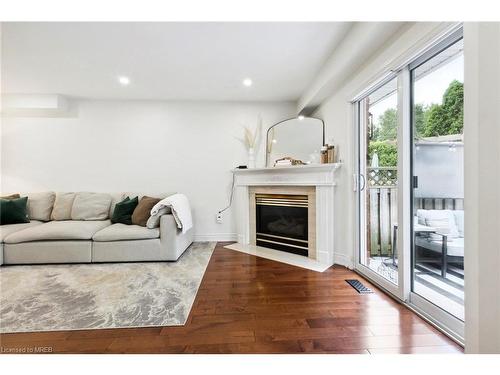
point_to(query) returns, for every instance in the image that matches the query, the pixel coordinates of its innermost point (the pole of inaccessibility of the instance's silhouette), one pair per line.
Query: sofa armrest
(172, 240)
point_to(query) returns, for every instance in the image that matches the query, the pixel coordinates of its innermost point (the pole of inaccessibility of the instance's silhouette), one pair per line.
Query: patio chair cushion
(455, 247)
(459, 218)
(442, 220)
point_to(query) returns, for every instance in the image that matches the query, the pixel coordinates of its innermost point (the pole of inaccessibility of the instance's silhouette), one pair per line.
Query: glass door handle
(362, 176)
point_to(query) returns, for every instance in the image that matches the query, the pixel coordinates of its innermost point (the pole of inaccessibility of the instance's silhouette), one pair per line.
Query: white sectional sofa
(44, 240)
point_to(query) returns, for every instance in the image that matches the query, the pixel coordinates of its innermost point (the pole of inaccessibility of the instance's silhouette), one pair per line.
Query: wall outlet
(218, 217)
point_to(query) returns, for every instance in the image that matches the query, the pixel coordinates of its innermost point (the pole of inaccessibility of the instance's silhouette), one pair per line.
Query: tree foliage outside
(430, 121)
(387, 152)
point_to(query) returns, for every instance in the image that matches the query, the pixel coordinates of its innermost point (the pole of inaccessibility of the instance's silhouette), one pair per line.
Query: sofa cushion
(143, 210)
(62, 206)
(91, 206)
(120, 232)
(123, 211)
(14, 211)
(58, 230)
(40, 205)
(5, 230)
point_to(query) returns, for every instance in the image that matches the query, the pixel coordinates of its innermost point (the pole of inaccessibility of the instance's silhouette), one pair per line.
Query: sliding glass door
(437, 272)
(378, 159)
(411, 184)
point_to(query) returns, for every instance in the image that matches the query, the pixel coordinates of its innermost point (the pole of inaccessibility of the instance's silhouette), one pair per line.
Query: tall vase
(251, 157)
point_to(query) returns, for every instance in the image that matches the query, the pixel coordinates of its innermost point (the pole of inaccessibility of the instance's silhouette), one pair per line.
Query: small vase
(251, 158)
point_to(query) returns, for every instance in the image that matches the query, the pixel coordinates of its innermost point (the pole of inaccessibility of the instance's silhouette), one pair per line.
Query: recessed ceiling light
(301, 117)
(247, 82)
(124, 81)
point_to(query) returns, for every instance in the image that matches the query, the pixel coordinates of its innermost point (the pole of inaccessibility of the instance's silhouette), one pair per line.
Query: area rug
(95, 296)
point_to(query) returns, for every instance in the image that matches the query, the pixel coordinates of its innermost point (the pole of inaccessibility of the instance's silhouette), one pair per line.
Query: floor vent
(358, 285)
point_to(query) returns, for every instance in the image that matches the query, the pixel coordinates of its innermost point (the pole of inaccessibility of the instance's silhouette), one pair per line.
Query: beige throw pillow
(40, 205)
(91, 206)
(62, 206)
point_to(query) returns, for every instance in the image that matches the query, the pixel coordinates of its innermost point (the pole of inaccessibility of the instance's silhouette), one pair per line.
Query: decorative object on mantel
(286, 161)
(324, 154)
(331, 153)
(250, 141)
(327, 154)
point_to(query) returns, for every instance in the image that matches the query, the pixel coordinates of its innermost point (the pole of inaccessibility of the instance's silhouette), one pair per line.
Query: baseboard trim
(343, 260)
(223, 237)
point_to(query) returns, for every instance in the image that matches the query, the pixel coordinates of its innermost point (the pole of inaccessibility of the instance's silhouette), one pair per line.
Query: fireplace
(317, 182)
(282, 222)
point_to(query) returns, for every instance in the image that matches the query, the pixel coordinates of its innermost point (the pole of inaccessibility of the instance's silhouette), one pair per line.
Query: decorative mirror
(299, 138)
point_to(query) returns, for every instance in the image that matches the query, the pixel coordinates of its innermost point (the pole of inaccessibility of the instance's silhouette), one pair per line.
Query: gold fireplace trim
(281, 200)
(282, 238)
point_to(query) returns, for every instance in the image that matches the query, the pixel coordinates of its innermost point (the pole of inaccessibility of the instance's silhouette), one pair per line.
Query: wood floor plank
(247, 304)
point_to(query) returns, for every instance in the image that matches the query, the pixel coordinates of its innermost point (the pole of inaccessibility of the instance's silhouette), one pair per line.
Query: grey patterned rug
(95, 296)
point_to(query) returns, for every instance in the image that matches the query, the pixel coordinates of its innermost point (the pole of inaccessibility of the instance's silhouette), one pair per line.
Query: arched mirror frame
(288, 119)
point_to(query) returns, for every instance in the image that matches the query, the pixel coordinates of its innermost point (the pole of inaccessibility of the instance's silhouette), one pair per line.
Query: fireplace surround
(317, 183)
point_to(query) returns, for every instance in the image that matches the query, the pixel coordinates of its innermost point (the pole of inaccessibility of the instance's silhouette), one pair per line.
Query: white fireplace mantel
(321, 176)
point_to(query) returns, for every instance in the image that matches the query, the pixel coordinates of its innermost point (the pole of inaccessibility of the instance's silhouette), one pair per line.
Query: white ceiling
(166, 61)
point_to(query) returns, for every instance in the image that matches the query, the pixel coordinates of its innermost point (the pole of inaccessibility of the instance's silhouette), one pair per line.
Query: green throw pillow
(123, 211)
(14, 211)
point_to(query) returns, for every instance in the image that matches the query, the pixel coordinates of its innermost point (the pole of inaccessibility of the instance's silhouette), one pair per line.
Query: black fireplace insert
(281, 222)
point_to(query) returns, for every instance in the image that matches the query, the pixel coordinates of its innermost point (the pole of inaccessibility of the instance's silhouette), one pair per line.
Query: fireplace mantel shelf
(293, 168)
(300, 175)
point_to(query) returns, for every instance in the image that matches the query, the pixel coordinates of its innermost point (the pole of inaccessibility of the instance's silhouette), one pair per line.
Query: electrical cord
(230, 197)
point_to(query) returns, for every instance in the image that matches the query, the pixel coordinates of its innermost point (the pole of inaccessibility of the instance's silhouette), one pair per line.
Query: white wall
(338, 114)
(142, 146)
(482, 187)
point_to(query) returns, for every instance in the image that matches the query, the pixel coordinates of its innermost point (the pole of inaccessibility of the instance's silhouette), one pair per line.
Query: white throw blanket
(179, 204)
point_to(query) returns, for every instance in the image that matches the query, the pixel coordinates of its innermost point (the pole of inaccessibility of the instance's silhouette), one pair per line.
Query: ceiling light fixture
(124, 81)
(301, 117)
(247, 82)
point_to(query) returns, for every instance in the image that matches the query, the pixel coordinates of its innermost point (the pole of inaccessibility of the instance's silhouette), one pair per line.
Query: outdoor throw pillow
(123, 211)
(143, 210)
(14, 211)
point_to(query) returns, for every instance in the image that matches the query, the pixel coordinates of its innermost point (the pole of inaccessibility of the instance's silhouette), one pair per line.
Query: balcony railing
(381, 209)
(382, 177)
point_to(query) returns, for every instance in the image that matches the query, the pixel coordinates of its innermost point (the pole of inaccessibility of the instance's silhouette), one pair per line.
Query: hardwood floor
(253, 305)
